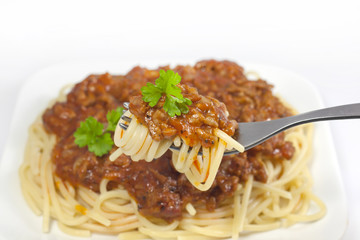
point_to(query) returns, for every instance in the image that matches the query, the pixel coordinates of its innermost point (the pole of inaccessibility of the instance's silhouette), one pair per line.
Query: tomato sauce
(159, 190)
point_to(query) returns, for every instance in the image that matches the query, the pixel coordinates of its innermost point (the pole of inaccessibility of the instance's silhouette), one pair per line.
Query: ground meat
(159, 190)
(197, 126)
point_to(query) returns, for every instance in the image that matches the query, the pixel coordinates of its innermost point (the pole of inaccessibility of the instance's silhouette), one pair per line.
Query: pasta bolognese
(264, 188)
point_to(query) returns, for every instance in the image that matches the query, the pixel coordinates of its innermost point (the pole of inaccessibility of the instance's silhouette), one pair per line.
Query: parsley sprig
(91, 133)
(175, 103)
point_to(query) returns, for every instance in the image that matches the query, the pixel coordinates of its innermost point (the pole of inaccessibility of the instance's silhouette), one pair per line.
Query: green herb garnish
(175, 103)
(91, 133)
(113, 118)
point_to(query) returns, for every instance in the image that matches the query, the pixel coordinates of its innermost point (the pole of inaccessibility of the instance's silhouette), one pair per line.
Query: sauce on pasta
(159, 190)
(205, 114)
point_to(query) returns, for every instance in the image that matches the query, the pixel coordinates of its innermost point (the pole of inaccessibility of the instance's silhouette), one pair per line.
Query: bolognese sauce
(205, 114)
(159, 190)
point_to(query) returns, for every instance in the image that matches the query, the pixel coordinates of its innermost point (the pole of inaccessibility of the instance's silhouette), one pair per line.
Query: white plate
(17, 221)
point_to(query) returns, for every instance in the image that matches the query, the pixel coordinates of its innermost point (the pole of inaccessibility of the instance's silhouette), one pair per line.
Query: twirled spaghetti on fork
(205, 129)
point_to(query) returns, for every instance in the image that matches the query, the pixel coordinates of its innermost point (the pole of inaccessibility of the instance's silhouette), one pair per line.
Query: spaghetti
(200, 170)
(81, 208)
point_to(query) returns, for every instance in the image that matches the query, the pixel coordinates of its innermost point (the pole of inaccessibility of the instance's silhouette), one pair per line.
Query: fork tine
(125, 118)
(123, 126)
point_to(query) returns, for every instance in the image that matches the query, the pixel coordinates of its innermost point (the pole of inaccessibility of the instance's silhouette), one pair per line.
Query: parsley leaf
(101, 145)
(175, 103)
(91, 133)
(113, 118)
(151, 94)
(88, 131)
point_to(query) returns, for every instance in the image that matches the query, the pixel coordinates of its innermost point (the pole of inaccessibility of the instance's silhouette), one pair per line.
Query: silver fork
(252, 134)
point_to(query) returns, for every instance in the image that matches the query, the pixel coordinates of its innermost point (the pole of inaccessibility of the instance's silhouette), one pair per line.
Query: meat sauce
(159, 190)
(197, 126)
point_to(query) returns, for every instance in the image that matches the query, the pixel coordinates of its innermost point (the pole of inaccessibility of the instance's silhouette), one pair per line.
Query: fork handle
(261, 131)
(333, 113)
(349, 111)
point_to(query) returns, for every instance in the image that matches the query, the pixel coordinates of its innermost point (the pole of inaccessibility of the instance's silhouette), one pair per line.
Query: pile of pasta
(284, 200)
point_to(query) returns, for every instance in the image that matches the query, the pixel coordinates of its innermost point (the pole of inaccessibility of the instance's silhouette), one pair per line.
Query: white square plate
(17, 221)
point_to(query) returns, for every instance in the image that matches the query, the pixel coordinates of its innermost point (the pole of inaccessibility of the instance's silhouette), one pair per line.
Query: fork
(252, 134)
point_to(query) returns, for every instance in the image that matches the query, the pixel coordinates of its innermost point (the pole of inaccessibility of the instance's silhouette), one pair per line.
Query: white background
(319, 40)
